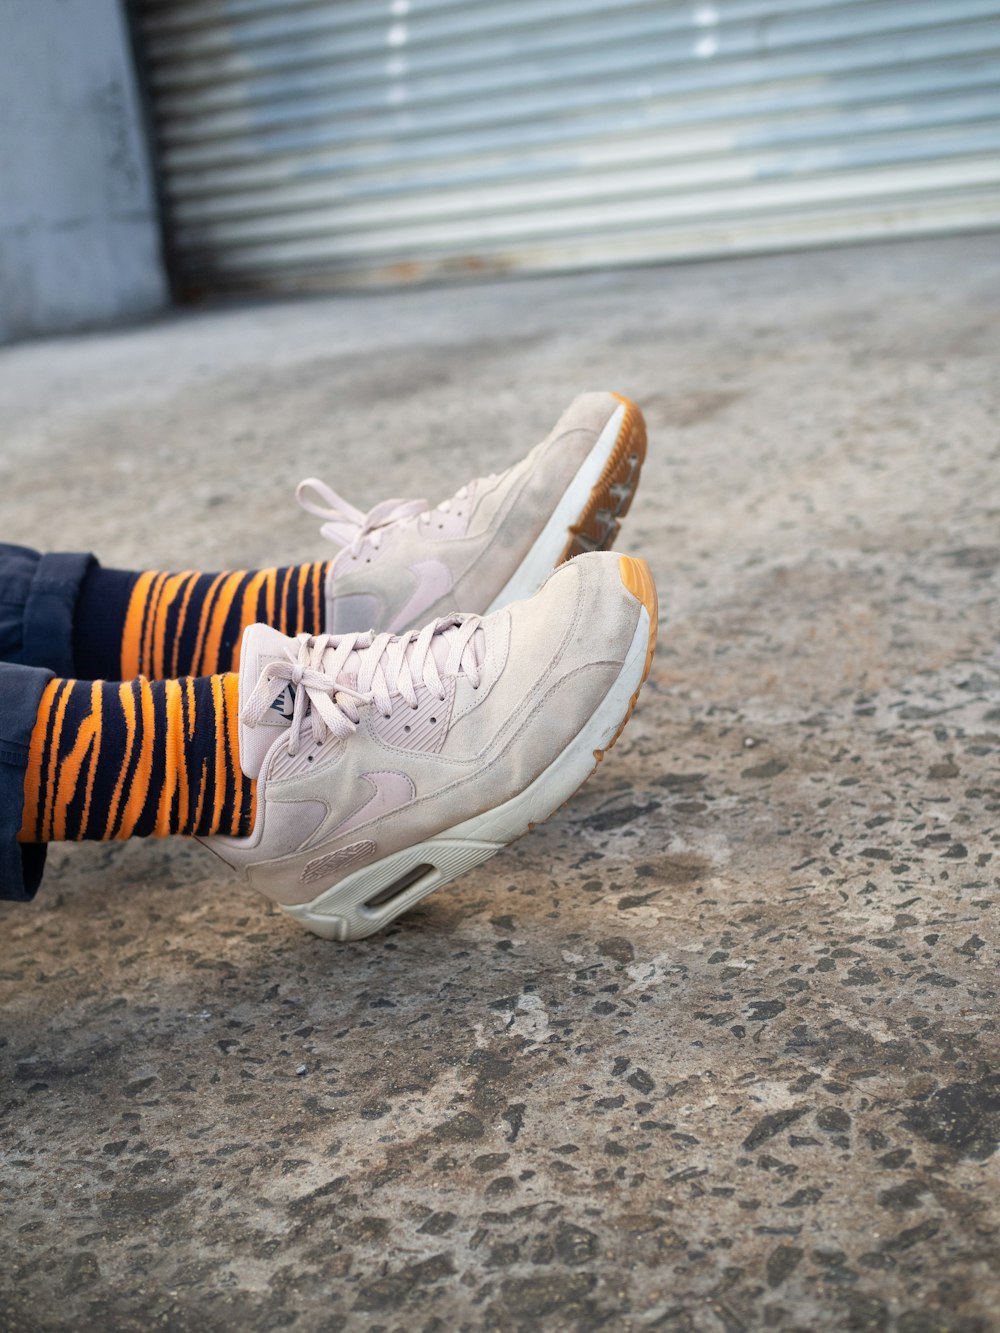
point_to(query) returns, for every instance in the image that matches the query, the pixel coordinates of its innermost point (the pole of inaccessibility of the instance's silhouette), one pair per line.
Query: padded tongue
(261, 645)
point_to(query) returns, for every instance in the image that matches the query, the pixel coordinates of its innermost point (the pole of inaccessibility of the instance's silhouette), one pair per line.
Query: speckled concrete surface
(716, 1048)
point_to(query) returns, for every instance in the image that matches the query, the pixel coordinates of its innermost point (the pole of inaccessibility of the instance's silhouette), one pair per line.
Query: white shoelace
(387, 667)
(349, 527)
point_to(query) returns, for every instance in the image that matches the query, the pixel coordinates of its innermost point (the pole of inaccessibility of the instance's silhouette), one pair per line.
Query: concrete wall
(79, 242)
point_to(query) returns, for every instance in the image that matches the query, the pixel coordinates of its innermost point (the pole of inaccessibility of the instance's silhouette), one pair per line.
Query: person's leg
(135, 759)
(66, 614)
(401, 564)
(164, 625)
(347, 776)
(102, 760)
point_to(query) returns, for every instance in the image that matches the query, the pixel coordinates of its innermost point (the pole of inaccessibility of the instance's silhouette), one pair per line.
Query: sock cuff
(192, 623)
(139, 758)
(97, 623)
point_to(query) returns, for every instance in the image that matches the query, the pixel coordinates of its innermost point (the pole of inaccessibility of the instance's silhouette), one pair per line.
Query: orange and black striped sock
(143, 758)
(168, 625)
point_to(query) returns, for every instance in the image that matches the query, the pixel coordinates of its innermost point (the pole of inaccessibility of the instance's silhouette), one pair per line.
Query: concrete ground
(714, 1049)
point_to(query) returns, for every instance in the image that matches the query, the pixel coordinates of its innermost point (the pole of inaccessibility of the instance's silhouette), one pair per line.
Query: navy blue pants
(38, 595)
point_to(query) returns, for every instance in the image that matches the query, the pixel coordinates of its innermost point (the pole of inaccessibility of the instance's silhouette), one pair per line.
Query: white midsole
(340, 912)
(551, 541)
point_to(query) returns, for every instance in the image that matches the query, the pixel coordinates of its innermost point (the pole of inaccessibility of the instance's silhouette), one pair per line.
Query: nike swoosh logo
(390, 791)
(285, 702)
(434, 581)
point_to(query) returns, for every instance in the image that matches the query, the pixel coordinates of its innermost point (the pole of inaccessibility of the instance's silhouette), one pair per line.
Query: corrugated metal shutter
(326, 142)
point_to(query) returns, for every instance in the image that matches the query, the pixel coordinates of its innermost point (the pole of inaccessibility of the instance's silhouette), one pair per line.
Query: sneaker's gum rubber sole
(369, 899)
(597, 526)
(637, 578)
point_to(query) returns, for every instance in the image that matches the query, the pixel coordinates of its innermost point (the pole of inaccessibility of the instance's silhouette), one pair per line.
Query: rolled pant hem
(38, 598)
(21, 864)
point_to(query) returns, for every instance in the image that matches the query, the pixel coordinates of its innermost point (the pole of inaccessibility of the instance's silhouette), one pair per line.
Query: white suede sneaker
(496, 539)
(388, 765)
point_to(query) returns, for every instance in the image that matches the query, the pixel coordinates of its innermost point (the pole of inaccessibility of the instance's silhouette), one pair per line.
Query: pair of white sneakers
(391, 759)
